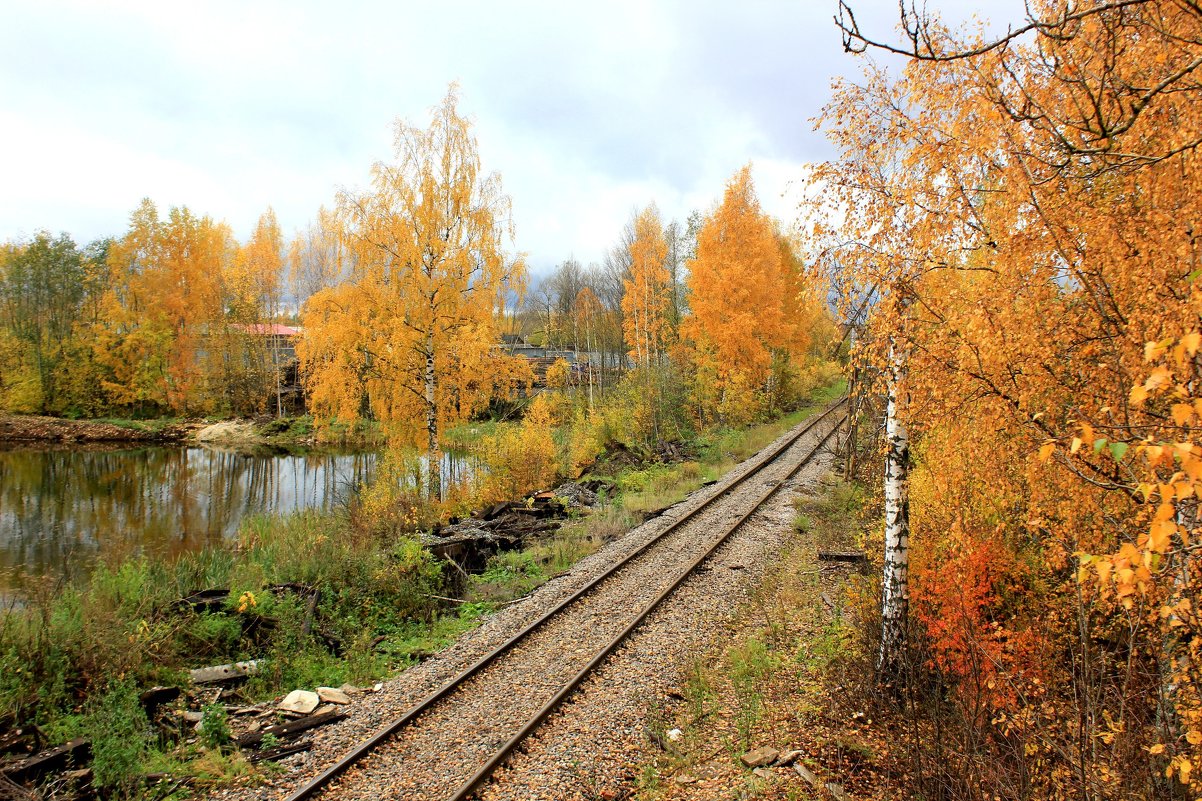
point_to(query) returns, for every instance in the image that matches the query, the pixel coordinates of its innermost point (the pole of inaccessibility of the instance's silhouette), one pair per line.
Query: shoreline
(35, 428)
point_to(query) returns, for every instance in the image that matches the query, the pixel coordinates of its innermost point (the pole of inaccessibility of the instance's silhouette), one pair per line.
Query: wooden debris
(280, 751)
(52, 760)
(155, 697)
(24, 740)
(851, 557)
(807, 774)
(230, 672)
(764, 755)
(286, 731)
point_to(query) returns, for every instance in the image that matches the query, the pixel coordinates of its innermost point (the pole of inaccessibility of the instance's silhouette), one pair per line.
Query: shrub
(115, 723)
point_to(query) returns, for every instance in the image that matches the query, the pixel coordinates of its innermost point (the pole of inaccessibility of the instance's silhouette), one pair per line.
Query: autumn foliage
(1020, 222)
(748, 309)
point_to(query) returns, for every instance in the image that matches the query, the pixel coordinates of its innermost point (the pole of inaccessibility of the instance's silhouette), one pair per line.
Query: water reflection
(62, 508)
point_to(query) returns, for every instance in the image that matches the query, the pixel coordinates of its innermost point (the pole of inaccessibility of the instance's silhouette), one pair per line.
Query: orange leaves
(746, 297)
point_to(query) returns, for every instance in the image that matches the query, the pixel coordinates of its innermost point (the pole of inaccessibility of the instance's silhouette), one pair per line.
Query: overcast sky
(588, 110)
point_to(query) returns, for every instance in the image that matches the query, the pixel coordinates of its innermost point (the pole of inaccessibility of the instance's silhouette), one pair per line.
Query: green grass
(72, 660)
(464, 436)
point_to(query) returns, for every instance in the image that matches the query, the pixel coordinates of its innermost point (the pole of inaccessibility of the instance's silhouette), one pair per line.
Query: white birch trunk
(895, 586)
(434, 480)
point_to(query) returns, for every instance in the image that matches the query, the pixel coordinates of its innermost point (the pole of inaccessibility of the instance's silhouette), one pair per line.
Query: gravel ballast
(587, 746)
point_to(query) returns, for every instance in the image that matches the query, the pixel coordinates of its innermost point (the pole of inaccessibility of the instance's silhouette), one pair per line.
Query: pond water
(62, 508)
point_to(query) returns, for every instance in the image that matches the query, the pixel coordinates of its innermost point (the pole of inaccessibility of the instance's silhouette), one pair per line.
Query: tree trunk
(434, 479)
(895, 587)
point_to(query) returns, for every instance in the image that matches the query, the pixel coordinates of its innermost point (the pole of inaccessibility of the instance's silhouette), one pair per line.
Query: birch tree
(413, 334)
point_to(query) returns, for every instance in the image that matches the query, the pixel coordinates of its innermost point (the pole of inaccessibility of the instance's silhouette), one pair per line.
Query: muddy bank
(29, 428)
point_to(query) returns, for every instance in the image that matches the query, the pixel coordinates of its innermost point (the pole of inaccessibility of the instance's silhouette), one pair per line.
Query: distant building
(281, 348)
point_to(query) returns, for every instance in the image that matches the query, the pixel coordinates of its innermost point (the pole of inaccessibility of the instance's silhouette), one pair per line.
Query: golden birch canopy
(411, 335)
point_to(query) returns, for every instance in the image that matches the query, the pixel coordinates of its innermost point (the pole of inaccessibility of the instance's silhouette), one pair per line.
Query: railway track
(508, 692)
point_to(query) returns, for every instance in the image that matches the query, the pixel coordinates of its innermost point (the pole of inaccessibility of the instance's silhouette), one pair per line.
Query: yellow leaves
(414, 329)
(739, 314)
(1193, 737)
(1182, 412)
(1157, 379)
(1154, 350)
(246, 601)
(1188, 345)
(1138, 395)
(646, 301)
(1075, 445)
(1160, 536)
(1046, 450)
(1158, 748)
(1179, 765)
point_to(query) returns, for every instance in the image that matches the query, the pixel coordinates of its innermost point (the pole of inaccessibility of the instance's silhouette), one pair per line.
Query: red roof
(270, 329)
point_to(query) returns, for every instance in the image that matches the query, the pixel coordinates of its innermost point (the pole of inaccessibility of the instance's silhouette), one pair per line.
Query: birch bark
(895, 586)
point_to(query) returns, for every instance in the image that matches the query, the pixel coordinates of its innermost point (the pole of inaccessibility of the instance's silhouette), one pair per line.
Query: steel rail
(503, 753)
(358, 752)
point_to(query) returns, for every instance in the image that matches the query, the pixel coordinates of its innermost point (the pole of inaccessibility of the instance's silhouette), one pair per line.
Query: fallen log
(212, 600)
(52, 760)
(155, 697)
(280, 751)
(851, 557)
(25, 740)
(234, 670)
(286, 731)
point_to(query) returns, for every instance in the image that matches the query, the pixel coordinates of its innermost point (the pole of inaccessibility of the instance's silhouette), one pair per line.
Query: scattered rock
(301, 701)
(685, 778)
(674, 734)
(324, 708)
(763, 773)
(806, 774)
(736, 566)
(192, 717)
(576, 496)
(378, 686)
(333, 695)
(764, 755)
(350, 689)
(788, 758)
(675, 695)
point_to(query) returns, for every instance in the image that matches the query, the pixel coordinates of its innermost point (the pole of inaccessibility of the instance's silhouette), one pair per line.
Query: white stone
(333, 695)
(301, 701)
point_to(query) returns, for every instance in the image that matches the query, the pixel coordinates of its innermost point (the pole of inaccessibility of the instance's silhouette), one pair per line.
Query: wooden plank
(290, 729)
(51, 760)
(854, 557)
(280, 751)
(234, 670)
